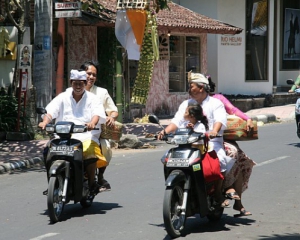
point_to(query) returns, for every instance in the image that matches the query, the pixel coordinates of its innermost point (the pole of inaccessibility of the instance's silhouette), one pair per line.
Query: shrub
(8, 111)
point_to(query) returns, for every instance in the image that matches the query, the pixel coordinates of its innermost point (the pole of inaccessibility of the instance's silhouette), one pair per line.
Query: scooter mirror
(41, 110)
(153, 119)
(290, 81)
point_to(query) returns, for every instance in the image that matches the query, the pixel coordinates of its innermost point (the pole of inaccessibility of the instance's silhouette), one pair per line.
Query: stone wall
(276, 99)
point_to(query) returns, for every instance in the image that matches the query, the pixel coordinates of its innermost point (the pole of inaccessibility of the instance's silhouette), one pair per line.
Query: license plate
(178, 162)
(62, 149)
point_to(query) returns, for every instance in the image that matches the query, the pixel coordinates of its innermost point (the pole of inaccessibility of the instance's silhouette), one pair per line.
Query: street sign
(68, 14)
(67, 5)
(67, 9)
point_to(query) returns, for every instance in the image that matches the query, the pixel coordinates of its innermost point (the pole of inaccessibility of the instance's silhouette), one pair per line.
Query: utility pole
(60, 56)
(119, 79)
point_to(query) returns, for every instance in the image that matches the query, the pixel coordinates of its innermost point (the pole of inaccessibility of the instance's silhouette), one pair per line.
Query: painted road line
(271, 161)
(44, 236)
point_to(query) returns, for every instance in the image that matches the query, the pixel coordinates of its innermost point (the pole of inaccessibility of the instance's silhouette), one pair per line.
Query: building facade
(264, 55)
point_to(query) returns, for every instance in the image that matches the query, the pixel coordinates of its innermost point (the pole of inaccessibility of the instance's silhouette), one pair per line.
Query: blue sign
(46, 43)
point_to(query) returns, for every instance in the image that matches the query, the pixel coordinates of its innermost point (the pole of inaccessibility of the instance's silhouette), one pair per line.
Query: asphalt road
(133, 209)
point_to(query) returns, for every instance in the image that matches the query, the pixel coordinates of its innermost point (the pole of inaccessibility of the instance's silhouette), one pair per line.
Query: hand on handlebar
(161, 135)
(90, 126)
(42, 125)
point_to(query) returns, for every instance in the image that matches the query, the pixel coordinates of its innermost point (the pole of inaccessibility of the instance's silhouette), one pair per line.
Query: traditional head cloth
(78, 75)
(197, 78)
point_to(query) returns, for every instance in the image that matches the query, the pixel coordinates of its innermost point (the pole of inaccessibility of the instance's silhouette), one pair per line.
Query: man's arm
(47, 118)
(91, 125)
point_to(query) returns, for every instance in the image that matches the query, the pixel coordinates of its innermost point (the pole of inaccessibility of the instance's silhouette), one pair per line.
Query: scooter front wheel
(174, 219)
(54, 200)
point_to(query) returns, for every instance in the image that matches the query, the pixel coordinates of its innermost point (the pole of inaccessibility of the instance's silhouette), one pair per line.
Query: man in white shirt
(83, 108)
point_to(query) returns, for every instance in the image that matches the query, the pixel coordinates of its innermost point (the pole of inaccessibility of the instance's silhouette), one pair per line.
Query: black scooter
(297, 108)
(66, 169)
(187, 193)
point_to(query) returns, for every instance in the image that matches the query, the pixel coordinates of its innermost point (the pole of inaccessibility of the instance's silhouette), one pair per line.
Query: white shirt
(64, 108)
(105, 98)
(215, 111)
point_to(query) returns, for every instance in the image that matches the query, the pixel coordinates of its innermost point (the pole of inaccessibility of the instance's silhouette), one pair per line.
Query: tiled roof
(177, 18)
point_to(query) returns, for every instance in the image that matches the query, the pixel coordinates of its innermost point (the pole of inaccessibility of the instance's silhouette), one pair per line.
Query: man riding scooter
(83, 108)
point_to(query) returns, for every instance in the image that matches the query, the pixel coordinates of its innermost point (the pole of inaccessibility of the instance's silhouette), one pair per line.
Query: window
(184, 57)
(256, 39)
(290, 29)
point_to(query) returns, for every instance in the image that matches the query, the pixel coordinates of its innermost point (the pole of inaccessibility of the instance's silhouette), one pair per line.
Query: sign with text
(67, 9)
(231, 41)
(164, 53)
(68, 14)
(67, 5)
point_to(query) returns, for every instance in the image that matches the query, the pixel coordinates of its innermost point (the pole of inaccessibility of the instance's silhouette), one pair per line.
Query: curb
(20, 164)
(265, 118)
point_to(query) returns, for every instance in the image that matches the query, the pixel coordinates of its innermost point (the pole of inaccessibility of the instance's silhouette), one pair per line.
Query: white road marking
(271, 161)
(44, 236)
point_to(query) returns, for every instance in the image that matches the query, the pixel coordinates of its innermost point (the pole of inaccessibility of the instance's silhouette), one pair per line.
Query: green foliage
(8, 111)
(91, 6)
(162, 4)
(106, 58)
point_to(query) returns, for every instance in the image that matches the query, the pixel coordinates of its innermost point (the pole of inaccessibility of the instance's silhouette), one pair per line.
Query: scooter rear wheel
(173, 218)
(54, 200)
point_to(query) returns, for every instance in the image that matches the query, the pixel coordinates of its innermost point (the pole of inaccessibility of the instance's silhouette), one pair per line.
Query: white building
(264, 55)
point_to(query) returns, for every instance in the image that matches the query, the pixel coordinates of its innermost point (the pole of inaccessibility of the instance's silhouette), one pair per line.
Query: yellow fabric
(92, 150)
(200, 147)
(137, 20)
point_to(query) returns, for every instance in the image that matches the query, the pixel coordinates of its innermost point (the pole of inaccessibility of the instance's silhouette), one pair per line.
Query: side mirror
(153, 119)
(41, 110)
(290, 81)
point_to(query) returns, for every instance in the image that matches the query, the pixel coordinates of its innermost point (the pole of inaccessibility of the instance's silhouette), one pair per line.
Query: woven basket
(114, 133)
(237, 130)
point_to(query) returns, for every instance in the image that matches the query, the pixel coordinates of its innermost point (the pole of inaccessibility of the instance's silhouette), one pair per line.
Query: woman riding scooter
(238, 177)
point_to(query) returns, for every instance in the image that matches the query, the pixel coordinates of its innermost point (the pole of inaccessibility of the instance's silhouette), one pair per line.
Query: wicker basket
(114, 133)
(132, 4)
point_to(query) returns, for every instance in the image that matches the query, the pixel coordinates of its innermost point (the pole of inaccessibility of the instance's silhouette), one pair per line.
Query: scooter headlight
(180, 139)
(66, 128)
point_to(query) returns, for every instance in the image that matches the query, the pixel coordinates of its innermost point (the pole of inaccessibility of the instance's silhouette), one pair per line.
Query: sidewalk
(27, 154)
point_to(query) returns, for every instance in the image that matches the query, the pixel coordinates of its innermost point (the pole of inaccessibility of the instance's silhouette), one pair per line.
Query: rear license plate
(177, 162)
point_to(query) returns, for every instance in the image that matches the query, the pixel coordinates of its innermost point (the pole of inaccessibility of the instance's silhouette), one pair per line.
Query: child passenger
(196, 120)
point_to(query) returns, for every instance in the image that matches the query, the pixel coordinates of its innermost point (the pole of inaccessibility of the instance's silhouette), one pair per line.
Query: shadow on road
(76, 210)
(295, 144)
(287, 236)
(202, 225)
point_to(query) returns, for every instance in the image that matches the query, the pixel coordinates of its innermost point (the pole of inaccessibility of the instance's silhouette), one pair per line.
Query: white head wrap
(197, 78)
(78, 75)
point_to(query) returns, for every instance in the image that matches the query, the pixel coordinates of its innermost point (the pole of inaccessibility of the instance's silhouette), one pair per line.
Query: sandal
(243, 213)
(104, 186)
(225, 204)
(232, 196)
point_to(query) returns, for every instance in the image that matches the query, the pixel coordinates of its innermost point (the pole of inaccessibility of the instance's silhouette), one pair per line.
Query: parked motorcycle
(297, 107)
(187, 193)
(66, 169)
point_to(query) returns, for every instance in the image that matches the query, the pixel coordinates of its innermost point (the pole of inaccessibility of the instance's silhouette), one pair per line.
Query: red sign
(68, 5)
